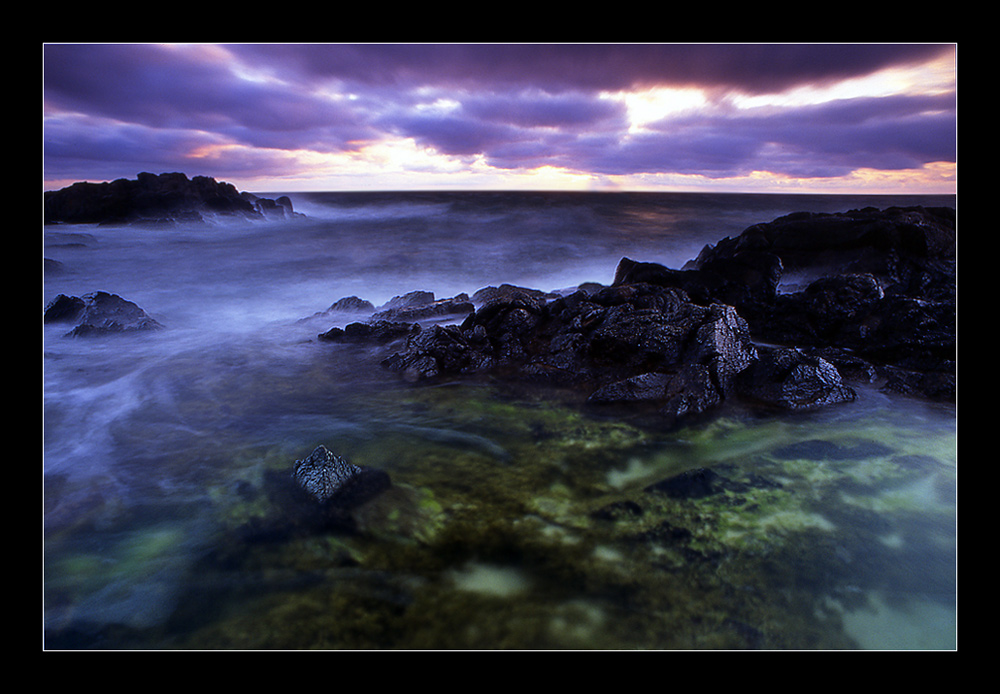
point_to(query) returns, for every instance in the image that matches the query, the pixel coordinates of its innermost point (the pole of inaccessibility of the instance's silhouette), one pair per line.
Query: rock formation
(152, 198)
(333, 481)
(875, 299)
(98, 313)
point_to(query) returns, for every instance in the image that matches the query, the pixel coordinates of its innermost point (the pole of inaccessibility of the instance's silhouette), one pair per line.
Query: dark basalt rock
(98, 313)
(377, 332)
(156, 199)
(880, 287)
(330, 479)
(785, 378)
(421, 305)
(620, 344)
(352, 304)
(881, 304)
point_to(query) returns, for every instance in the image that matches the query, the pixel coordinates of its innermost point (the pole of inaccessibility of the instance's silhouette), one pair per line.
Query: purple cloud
(113, 110)
(751, 68)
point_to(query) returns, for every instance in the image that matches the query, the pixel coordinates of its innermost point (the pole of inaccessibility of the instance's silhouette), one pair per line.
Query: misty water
(160, 531)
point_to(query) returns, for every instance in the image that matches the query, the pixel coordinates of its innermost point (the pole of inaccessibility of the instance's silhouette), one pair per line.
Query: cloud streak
(321, 116)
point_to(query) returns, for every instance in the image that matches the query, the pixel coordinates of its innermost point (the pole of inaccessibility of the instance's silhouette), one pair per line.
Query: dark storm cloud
(749, 68)
(163, 88)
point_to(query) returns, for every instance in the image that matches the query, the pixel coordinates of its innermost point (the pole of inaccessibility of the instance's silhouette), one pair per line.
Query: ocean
(502, 529)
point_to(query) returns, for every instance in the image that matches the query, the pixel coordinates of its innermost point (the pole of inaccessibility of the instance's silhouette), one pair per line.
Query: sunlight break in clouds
(648, 105)
(650, 117)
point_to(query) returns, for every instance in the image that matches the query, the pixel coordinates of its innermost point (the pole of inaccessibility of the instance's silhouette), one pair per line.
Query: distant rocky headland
(158, 199)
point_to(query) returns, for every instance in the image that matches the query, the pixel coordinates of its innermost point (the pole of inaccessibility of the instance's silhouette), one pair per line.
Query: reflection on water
(516, 519)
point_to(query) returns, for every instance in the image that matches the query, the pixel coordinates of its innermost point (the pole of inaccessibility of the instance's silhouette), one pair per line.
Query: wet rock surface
(877, 301)
(98, 313)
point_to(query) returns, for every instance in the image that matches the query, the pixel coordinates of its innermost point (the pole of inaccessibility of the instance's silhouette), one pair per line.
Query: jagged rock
(786, 378)
(377, 332)
(352, 304)
(329, 478)
(422, 305)
(880, 285)
(631, 343)
(152, 198)
(98, 313)
(686, 340)
(507, 292)
(280, 208)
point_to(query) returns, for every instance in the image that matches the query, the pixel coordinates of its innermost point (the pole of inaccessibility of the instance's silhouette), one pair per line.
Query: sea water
(158, 448)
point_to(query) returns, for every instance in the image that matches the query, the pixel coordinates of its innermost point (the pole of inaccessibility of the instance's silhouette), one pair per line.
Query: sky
(788, 118)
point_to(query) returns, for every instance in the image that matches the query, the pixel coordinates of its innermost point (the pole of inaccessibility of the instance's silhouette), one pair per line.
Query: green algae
(517, 522)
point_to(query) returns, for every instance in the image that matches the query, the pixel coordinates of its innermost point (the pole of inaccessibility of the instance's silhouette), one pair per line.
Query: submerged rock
(327, 477)
(98, 313)
(322, 473)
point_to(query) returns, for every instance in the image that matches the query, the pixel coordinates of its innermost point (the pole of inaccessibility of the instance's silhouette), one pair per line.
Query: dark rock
(745, 279)
(882, 287)
(436, 351)
(507, 292)
(939, 386)
(281, 208)
(618, 510)
(684, 341)
(422, 305)
(352, 304)
(408, 300)
(852, 312)
(377, 332)
(155, 199)
(64, 309)
(691, 484)
(99, 313)
(630, 343)
(786, 378)
(330, 479)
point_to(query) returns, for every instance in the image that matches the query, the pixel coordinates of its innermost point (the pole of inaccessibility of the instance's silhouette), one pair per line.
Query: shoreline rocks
(98, 313)
(157, 200)
(878, 303)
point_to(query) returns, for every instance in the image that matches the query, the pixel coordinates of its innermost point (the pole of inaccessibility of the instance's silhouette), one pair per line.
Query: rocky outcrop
(636, 343)
(331, 479)
(420, 305)
(157, 199)
(877, 300)
(98, 313)
(879, 286)
(377, 332)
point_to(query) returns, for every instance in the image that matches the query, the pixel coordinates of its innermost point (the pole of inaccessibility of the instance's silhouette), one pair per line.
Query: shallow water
(517, 519)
